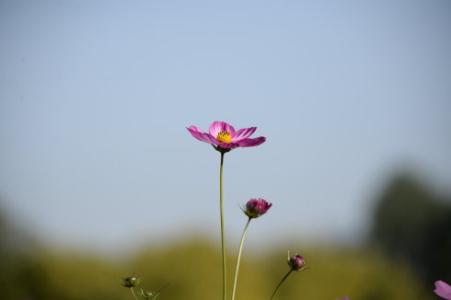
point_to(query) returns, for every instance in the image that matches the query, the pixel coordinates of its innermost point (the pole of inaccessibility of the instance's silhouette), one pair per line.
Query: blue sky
(95, 97)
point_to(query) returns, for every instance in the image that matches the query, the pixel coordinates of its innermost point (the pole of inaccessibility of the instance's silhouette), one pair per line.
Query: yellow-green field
(190, 270)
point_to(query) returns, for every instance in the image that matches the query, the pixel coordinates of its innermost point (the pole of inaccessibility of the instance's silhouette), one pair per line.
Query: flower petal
(243, 133)
(443, 289)
(201, 136)
(252, 142)
(218, 126)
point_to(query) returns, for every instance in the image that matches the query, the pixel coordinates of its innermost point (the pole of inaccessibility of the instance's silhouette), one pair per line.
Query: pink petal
(243, 133)
(252, 142)
(443, 289)
(201, 136)
(218, 126)
(193, 128)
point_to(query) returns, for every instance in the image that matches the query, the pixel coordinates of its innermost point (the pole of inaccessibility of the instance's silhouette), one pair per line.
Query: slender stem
(280, 283)
(237, 269)
(133, 293)
(221, 208)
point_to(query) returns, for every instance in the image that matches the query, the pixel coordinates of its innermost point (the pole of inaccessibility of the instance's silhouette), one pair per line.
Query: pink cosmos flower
(224, 137)
(256, 207)
(296, 262)
(443, 289)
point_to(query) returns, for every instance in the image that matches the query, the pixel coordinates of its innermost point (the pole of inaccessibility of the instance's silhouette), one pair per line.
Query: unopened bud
(130, 281)
(296, 262)
(256, 207)
(149, 295)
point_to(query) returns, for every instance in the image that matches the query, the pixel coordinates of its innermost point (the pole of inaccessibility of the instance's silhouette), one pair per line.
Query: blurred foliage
(413, 224)
(190, 270)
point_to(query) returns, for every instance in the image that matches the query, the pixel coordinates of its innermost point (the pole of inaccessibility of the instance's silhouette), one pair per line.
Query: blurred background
(99, 178)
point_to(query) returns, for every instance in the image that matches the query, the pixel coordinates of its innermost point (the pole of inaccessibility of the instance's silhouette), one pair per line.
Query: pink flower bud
(256, 207)
(296, 262)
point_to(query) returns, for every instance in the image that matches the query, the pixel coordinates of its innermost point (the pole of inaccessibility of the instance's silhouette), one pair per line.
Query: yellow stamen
(224, 137)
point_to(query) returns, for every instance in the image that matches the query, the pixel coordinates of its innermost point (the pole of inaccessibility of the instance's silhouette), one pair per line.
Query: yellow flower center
(224, 137)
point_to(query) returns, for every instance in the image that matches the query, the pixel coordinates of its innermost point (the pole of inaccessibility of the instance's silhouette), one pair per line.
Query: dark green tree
(413, 224)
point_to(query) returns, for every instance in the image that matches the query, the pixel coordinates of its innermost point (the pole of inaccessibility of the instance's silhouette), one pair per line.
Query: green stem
(221, 207)
(237, 269)
(280, 283)
(133, 293)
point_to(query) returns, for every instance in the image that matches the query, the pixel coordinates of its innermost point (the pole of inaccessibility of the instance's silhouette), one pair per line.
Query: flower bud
(296, 262)
(130, 281)
(256, 207)
(148, 295)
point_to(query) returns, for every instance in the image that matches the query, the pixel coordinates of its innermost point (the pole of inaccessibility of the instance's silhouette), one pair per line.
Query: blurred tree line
(413, 224)
(408, 248)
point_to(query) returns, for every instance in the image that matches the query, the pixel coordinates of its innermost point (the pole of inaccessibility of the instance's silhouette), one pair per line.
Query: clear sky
(95, 97)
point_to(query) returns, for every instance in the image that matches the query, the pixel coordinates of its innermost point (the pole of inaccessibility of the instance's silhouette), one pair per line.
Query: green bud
(146, 294)
(130, 281)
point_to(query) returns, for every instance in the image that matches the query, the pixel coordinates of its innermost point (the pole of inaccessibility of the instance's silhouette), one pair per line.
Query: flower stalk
(237, 269)
(133, 293)
(280, 283)
(221, 212)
